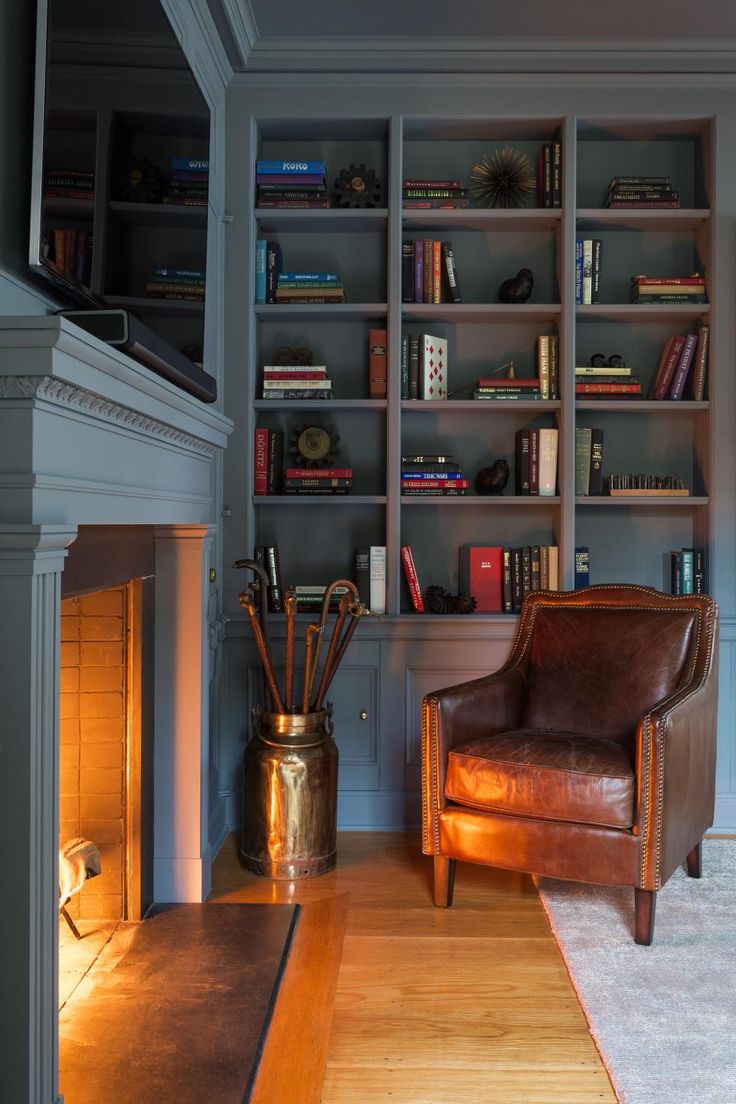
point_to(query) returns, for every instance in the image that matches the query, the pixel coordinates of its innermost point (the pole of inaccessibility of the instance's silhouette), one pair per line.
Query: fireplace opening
(103, 873)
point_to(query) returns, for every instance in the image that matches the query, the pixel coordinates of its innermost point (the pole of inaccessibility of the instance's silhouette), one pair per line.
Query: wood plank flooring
(470, 1005)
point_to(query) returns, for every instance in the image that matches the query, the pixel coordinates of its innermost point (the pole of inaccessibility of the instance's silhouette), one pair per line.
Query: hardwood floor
(470, 1005)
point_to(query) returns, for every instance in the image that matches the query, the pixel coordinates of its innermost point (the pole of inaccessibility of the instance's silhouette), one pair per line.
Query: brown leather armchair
(590, 755)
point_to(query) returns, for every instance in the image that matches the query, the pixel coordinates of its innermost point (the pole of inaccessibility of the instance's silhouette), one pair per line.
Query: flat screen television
(120, 181)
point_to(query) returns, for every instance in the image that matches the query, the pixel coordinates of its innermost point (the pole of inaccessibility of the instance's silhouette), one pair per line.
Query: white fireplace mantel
(90, 437)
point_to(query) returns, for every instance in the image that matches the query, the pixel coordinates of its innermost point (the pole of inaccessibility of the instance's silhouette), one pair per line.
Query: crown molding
(243, 26)
(385, 54)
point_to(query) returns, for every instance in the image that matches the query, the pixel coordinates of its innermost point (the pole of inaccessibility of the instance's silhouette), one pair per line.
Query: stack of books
(309, 287)
(423, 367)
(500, 578)
(186, 284)
(428, 194)
(189, 181)
(588, 461)
(70, 251)
(296, 382)
(427, 268)
(588, 270)
(549, 175)
(292, 184)
(425, 475)
(683, 367)
(69, 184)
(507, 388)
(667, 289)
(687, 571)
(607, 382)
(311, 597)
(641, 192)
(536, 462)
(318, 481)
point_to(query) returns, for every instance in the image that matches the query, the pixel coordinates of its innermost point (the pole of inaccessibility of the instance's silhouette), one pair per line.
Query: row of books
(70, 251)
(184, 284)
(588, 460)
(69, 184)
(427, 194)
(641, 192)
(667, 289)
(687, 571)
(683, 366)
(423, 476)
(427, 269)
(369, 575)
(545, 385)
(549, 175)
(610, 381)
(588, 253)
(188, 182)
(536, 461)
(423, 367)
(296, 382)
(369, 570)
(295, 184)
(309, 287)
(270, 478)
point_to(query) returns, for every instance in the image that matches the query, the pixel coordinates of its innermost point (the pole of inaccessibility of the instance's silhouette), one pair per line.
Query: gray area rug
(663, 1017)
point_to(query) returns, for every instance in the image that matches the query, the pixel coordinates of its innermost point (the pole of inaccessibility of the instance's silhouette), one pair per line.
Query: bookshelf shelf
(61, 207)
(642, 312)
(643, 406)
(144, 304)
(316, 312)
(480, 312)
(475, 405)
(519, 221)
(606, 218)
(491, 501)
(659, 503)
(319, 500)
(334, 219)
(160, 214)
(320, 404)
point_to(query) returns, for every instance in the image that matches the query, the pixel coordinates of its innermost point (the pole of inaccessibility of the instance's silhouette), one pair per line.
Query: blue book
(578, 271)
(687, 571)
(190, 164)
(582, 567)
(261, 246)
(308, 277)
(432, 475)
(290, 168)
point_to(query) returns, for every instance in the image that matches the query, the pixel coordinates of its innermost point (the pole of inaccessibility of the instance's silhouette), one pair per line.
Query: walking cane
(356, 611)
(247, 603)
(290, 609)
(323, 621)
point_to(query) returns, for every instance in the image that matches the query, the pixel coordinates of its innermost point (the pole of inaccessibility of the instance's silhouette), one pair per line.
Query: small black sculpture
(440, 600)
(492, 481)
(518, 288)
(357, 186)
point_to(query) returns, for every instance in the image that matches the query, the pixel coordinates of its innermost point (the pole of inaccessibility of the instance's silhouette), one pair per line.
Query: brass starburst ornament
(503, 178)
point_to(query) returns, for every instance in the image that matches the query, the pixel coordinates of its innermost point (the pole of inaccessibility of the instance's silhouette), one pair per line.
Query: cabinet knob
(363, 714)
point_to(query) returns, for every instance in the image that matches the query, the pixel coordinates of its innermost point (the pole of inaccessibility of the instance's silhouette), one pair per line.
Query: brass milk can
(290, 795)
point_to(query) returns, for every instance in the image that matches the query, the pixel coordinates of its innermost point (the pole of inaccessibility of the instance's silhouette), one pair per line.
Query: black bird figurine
(518, 288)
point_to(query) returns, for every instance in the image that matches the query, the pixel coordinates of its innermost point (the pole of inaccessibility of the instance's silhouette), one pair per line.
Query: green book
(583, 446)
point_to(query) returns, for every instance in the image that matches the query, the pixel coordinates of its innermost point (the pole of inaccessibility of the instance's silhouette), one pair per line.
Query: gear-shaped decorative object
(440, 600)
(141, 182)
(313, 445)
(357, 186)
(288, 357)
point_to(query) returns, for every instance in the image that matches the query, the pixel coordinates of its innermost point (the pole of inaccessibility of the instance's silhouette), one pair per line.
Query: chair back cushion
(597, 669)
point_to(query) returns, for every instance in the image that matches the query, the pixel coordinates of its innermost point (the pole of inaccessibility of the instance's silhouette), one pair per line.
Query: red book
(436, 272)
(431, 484)
(377, 372)
(641, 280)
(260, 463)
(412, 579)
(298, 376)
(608, 389)
(319, 473)
(481, 575)
(664, 376)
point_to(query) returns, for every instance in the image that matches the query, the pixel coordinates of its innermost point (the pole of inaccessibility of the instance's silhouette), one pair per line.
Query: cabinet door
(354, 696)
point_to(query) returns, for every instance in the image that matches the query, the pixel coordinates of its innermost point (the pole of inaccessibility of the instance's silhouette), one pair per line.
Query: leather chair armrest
(675, 766)
(453, 716)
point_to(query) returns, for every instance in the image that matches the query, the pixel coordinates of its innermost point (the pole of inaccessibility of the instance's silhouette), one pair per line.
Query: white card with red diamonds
(434, 367)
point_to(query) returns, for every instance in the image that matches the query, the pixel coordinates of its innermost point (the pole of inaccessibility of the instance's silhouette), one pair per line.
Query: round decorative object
(492, 481)
(518, 288)
(504, 178)
(440, 600)
(286, 356)
(141, 182)
(357, 186)
(313, 445)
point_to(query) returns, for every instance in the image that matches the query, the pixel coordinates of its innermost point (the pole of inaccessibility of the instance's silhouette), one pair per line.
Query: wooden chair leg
(444, 881)
(694, 859)
(645, 901)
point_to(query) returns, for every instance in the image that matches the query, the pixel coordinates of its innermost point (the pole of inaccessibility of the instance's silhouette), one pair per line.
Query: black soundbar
(123, 330)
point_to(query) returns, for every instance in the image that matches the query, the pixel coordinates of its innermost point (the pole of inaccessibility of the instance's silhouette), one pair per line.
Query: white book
(434, 367)
(378, 578)
(548, 461)
(588, 270)
(302, 385)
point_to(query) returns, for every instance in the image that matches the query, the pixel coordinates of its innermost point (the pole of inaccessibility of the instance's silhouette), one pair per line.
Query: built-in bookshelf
(628, 537)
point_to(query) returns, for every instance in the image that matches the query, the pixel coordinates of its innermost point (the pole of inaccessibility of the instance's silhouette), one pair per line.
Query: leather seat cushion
(547, 774)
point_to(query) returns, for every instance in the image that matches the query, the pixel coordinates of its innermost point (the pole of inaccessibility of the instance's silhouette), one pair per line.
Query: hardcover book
(481, 575)
(582, 567)
(362, 574)
(377, 578)
(377, 364)
(412, 579)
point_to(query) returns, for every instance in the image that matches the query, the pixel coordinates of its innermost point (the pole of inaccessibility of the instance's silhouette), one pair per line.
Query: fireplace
(97, 452)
